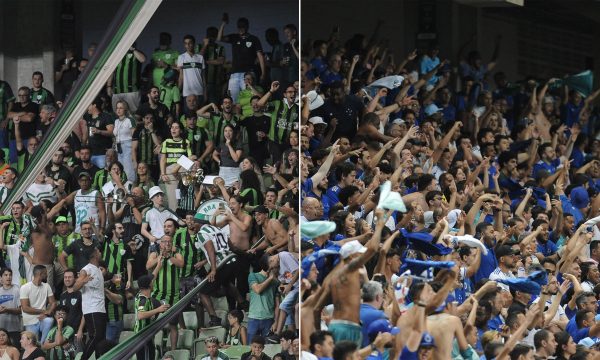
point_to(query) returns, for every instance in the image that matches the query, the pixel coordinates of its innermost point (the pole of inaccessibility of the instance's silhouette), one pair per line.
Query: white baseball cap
(314, 100)
(153, 191)
(351, 248)
(316, 120)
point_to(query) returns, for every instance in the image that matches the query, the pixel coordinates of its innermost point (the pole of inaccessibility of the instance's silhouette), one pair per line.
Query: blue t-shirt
(569, 208)
(307, 187)
(488, 264)
(550, 168)
(330, 199)
(368, 314)
(428, 64)
(569, 113)
(495, 323)
(408, 355)
(547, 249)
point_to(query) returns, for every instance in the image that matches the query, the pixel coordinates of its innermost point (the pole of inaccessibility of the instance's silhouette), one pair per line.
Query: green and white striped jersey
(219, 238)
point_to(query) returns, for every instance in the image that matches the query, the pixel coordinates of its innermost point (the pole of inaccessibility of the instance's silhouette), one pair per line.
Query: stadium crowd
(447, 211)
(184, 169)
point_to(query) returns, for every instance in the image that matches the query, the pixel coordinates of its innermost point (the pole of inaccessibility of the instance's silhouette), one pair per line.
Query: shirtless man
(275, 234)
(345, 284)
(444, 328)
(239, 223)
(43, 253)
(239, 239)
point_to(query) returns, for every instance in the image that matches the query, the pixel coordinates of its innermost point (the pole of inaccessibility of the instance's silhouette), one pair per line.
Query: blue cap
(449, 299)
(580, 197)
(382, 326)
(427, 340)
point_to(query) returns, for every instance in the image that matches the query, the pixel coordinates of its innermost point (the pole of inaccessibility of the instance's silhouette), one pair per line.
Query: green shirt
(113, 255)
(166, 284)
(128, 74)
(169, 95)
(169, 56)
(42, 96)
(186, 245)
(174, 149)
(262, 306)
(142, 304)
(57, 352)
(61, 242)
(283, 119)
(217, 123)
(244, 99)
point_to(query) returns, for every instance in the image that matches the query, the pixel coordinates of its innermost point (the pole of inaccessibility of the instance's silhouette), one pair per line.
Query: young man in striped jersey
(146, 309)
(184, 240)
(166, 267)
(114, 249)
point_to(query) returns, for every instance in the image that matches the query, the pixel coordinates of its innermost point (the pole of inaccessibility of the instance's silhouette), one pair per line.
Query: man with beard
(47, 115)
(485, 232)
(274, 233)
(38, 303)
(81, 249)
(85, 156)
(507, 263)
(114, 249)
(161, 114)
(57, 171)
(559, 318)
(565, 230)
(546, 248)
(72, 300)
(257, 127)
(218, 119)
(545, 344)
(284, 117)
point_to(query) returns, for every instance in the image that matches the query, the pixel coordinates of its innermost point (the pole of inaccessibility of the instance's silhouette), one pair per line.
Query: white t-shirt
(156, 218)
(498, 274)
(122, 131)
(191, 67)
(92, 293)
(38, 192)
(38, 299)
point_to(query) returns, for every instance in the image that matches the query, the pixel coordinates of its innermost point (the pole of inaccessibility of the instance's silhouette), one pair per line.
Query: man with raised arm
(345, 281)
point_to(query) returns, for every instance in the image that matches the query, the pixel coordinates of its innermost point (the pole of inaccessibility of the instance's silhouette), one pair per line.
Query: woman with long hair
(250, 163)
(31, 349)
(250, 188)
(565, 346)
(7, 350)
(228, 155)
(143, 177)
(237, 334)
(345, 225)
(123, 133)
(289, 162)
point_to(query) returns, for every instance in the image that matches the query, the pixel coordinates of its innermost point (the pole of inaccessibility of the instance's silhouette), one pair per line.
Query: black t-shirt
(253, 124)
(99, 143)
(62, 173)
(73, 302)
(34, 355)
(81, 252)
(138, 261)
(161, 113)
(347, 114)
(27, 128)
(244, 49)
